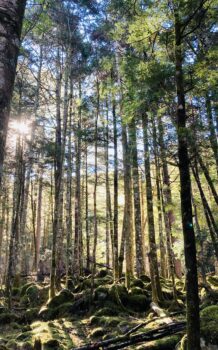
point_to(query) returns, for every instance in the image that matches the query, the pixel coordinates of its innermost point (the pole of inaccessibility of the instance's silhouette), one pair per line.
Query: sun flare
(21, 127)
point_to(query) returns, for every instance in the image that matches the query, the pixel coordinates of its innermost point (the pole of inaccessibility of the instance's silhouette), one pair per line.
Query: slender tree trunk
(193, 320)
(155, 280)
(57, 229)
(115, 240)
(69, 192)
(39, 217)
(96, 181)
(213, 229)
(109, 219)
(160, 221)
(140, 264)
(87, 215)
(11, 14)
(14, 237)
(77, 239)
(201, 255)
(208, 178)
(213, 139)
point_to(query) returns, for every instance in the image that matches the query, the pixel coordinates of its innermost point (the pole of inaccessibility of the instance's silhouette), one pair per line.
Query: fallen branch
(126, 340)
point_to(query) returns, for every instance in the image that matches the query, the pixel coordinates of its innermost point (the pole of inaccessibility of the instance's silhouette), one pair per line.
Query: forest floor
(90, 311)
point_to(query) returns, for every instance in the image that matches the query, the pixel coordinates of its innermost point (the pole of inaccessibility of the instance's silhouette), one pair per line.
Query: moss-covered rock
(118, 294)
(138, 303)
(8, 317)
(107, 311)
(97, 332)
(145, 278)
(25, 287)
(33, 294)
(46, 313)
(137, 283)
(102, 293)
(62, 297)
(136, 291)
(209, 322)
(208, 298)
(31, 314)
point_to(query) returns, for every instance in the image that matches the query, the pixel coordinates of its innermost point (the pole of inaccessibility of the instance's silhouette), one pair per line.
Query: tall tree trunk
(87, 215)
(159, 209)
(213, 139)
(115, 240)
(208, 178)
(96, 181)
(57, 229)
(201, 255)
(77, 239)
(69, 191)
(39, 216)
(14, 236)
(109, 218)
(140, 264)
(11, 14)
(213, 229)
(193, 319)
(155, 280)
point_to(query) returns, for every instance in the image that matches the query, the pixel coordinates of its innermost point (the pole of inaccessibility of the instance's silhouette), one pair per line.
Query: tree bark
(140, 264)
(115, 239)
(153, 262)
(11, 17)
(193, 319)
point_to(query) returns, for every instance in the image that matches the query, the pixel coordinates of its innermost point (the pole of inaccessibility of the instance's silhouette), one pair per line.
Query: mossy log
(127, 340)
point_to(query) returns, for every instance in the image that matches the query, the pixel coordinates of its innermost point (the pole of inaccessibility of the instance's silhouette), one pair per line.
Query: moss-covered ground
(89, 311)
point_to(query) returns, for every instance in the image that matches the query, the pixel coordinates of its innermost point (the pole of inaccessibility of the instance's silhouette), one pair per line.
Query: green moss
(97, 332)
(94, 320)
(118, 293)
(24, 300)
(46, 313)
(25, 287)
(24, 336)
(209, 321)
(209, 298)
(31, 314)
(8, 317)
(107, 311)
(15, 325)
(12, 345)
(102, 293)
(213, 281)
(136, 291)
(168, 343)
(137, 283)
(138, 303)
(62, 297)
